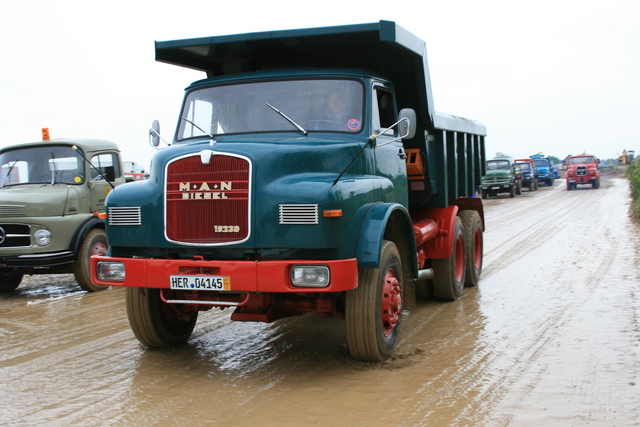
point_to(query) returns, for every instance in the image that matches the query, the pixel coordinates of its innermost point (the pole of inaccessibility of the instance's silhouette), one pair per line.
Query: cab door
(388, 153)
(108, 166)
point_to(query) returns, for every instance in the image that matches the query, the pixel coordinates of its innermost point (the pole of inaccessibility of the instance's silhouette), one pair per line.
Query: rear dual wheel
(449, 273)
(473, 246)
(373, 310)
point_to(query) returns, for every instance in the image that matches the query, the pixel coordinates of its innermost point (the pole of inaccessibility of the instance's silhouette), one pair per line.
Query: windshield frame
(499, 165)
(292, 107)
(588, 159)
(41, 168)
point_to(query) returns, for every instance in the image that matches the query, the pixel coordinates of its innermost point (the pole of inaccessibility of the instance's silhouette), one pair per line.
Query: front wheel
(449, 273)
(95, 243)
(10, 279)
(373, 310)
(156, 323)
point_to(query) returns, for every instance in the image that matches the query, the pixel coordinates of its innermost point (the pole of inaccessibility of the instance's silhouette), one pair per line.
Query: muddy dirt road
(550, 337)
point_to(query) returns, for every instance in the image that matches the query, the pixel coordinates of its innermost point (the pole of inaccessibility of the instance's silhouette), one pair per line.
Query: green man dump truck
(49, 200)
(309, 172)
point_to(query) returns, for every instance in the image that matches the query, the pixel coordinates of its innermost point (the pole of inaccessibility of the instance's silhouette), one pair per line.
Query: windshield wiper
(197, 127)
(8, 172)
(300, 128)
(53, 168)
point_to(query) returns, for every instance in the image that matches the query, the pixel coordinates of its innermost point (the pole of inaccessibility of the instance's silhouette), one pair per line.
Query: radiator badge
(205, 190)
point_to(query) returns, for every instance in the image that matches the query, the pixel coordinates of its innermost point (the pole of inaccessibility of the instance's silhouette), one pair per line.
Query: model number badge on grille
(226, 228)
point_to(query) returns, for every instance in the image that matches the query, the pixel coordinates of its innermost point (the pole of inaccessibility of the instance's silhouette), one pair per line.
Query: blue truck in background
(544, 167)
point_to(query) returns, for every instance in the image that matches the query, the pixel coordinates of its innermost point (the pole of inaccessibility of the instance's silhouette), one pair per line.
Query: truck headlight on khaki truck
(297, 183)
(49, 200)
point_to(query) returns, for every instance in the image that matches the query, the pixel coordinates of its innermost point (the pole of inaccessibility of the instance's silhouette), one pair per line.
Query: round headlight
(43, 237)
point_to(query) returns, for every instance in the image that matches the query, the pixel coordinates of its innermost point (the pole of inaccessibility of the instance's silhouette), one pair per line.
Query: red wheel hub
(477, 255)
(391, 302)
(99, 248)
(459, 257)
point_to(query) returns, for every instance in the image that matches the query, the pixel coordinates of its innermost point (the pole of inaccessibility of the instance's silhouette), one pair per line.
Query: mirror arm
(404, 119)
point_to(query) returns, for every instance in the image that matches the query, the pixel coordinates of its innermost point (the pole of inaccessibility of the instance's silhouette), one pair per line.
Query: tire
(94, 243)
(568, 186)
(473, 246)
(373, 311)
(10, 279)
(157, 324)
(596, 183)
(449, 273)
(484, 194)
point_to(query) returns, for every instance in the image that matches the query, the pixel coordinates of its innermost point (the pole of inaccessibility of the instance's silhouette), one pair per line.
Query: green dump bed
(453, 146)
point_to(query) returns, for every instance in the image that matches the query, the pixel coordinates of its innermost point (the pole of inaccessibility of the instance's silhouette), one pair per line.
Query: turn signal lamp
(332, 213)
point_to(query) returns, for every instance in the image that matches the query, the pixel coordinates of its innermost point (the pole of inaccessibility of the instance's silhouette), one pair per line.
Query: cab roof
(86, 144)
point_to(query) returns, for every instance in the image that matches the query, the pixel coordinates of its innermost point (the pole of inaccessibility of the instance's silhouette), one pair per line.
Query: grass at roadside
(633, 174)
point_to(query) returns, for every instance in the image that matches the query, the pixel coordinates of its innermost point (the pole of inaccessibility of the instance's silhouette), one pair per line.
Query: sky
(553, 77)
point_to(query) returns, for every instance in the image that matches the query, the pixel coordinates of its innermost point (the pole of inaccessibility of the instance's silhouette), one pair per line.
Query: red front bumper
(246, 276)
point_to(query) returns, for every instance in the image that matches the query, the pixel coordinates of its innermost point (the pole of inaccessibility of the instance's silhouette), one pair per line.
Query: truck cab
(582, 169)
(49, 199)
(529, 173)
(544, 168)
(501, 177)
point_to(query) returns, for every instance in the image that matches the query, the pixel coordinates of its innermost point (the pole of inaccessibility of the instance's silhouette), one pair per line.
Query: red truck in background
(583, 169)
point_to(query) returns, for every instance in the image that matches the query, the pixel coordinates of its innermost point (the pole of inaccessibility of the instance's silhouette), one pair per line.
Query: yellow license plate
(201, 283)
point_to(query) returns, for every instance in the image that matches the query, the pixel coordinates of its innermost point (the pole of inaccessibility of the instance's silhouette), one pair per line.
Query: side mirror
(110, 173)
(407, 123)
(154, 133)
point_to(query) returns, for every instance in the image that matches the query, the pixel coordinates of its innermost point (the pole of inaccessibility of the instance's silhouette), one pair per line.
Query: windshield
(542, 163)
(314, 105)
(524, 166)
(498, 164)
(579, 160)
(47, 164)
